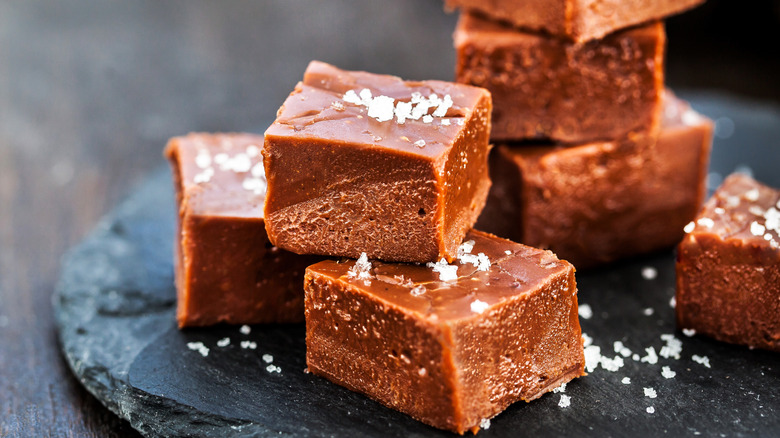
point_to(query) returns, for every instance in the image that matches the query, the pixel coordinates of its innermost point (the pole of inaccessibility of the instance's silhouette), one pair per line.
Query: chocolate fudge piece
(450, 345)
(576, 20)
(226, 269)
(548, 88)
(359, 162)
(598, 202)
(728, 266)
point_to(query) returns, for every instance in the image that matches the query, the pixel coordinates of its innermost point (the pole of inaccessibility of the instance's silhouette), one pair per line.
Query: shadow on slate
(115, 307)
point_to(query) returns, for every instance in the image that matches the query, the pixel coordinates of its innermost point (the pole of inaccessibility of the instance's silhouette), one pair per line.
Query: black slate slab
(115, 309)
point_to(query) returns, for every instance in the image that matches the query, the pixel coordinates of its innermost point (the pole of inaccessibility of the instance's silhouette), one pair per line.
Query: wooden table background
(90, 91)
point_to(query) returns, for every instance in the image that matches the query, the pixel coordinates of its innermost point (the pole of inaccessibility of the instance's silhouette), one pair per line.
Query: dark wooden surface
(90, 91)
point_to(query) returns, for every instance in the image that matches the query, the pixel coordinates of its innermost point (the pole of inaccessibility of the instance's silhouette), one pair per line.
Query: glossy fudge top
(741, 209)
(219, 174)
(488, 269)
(417, 118)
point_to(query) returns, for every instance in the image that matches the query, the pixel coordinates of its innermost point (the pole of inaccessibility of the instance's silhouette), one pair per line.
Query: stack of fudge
(375, 184)
(593, 158)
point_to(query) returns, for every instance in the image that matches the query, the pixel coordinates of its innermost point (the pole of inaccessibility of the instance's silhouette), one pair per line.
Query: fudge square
(575, 20)
(728, 266)
(450, 345)
(359, 162)
(226, 269)
(548, 88)
(599, 202)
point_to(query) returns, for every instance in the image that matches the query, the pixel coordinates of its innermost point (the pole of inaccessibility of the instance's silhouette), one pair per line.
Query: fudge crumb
(478, 306)
(650, 393)
(585, 311)
(199, 347)
(667, 372)
(649, 273)
(649, 311)
(245, 329)
(565, 401)
(651, 357)
(361, 269)
(626, 381)
(703, 360)
(484, 424)
(706, 222)
(689, 332)
(650, 410)
(224, 342)
(560, 389)
(273, 369)
(688, 228)
(267, 358)
(446, 271)
(248, 344)
(420, 143)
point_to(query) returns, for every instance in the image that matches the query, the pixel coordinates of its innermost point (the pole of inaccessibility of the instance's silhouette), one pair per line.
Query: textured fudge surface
(576, 20)
(226, 269)
(728, 266)
(598, 202)
(449, 345)
(548, 88)
(358, 162)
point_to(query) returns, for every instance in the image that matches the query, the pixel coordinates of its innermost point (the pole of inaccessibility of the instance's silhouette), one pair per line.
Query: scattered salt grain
(484, 424)
(420, 143)
(417, 290)
(754, 209)
(586, 340)
(338, 106)
(626, 381)
(621, 349)
(649, 311)
(273, 369)
(267, 358)
(565, 401)
(720, 210)
(427, 119)
(706, 222)
(650, 410)
(673, 302)
(688, 332)
(446, 271)
(612, 364)
(757, 229)
(585, 311)
(199, 347)
(361, 269)
(752, 195)
(508, 252)
(245, 329)
(351, 97)
(650, 393)
(673, 347)
(560, 389)
(592, 357)
(478, 306)
(667, 373)
(382, 108)
(649, 273)
(445, 105)
(224, 342)
(688, 228)
(248, 345)
(651, 357)
(703, 360)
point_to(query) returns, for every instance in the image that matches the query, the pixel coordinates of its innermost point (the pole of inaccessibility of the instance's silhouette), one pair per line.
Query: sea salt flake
(361, 269)
(204, 176)
(338, 106)
(757, 229)
(445, 105)
(273, 369)
(673, 302)
(613, 364)
(752, 195)
(267, 358)
(720, 210)
(508, 252)
(626, 381)
(351, 97)
(465, 248)
(621, 349)
(667, 373)
(650, 410)
(688, 332)
(382, 108)
(365, 97)
(650, 392)
(427, 119)
(706, 222)
(585, 311)
(419, 110)
(221, 158)
(445, 122)
(649, 311)
(560, 389)
(673, 347)
(651, 357)
(417, 290)
(756, 210)
(420, 143)
(245, 329)
(199, 347)
(403, 111)
(484, 424)
(688, 228)
(253, 151)
(203, 159)
(649, 273)
(224, 342)
(592, 357)
(258, 171)
(732, 201)
(565, 401)
(446, 271)
(586, 340)
(703, 360)
(772, 219)
(478, 306)
(248, 345)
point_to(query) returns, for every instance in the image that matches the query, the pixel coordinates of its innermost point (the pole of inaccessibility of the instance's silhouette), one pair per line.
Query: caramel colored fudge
(450, 345)
(598, 202)
(728, 266)
(548, 88)
(226, 269)
(359, 162)
(575, 20)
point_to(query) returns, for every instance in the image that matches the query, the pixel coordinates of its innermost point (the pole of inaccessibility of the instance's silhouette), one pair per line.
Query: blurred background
(91, 90)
